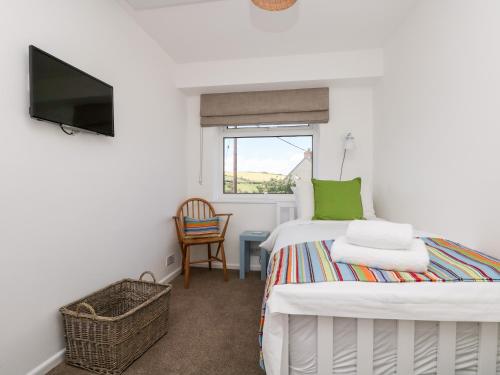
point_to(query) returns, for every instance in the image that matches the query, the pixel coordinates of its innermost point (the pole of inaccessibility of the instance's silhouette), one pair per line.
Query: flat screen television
(65, 95)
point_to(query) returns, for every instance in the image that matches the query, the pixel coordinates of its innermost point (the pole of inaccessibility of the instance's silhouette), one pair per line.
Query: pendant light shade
(274, 5)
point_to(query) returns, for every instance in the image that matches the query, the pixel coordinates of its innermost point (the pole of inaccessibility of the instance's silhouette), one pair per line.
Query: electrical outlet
(170, 260)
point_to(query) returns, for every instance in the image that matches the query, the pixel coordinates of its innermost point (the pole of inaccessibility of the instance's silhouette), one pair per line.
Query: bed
(354, 327)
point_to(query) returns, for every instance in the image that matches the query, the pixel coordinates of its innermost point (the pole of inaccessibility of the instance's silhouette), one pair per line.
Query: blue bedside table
(245, 239)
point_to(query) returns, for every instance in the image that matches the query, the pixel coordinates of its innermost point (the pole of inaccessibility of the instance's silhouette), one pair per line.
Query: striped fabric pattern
(310, 262)
(201, 227)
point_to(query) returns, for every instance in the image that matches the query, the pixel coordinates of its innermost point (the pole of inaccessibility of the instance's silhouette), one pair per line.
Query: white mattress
(408, 301)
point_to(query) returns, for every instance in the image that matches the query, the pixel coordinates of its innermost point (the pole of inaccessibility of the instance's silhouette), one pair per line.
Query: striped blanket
(310, 262)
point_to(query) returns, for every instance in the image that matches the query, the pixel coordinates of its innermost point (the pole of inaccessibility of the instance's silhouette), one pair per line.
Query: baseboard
(49, 364)
(172, 275)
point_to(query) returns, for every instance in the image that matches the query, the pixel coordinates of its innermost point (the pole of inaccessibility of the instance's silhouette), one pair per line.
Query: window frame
(224, 132)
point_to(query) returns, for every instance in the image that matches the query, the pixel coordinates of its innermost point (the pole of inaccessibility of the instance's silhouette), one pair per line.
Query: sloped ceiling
(206, 30)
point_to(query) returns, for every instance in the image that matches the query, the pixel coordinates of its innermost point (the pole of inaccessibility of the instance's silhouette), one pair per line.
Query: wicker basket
(109, 329)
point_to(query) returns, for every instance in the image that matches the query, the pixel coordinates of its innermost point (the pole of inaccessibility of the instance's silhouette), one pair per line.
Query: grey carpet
(213, 329)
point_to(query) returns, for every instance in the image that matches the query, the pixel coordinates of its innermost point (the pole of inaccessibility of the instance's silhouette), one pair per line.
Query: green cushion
(337, 200)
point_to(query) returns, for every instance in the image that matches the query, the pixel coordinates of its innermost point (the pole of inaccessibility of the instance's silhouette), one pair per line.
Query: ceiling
(150, 4)
(206, 30)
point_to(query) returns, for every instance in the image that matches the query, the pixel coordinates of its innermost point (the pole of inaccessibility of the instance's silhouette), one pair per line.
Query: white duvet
(479, 302)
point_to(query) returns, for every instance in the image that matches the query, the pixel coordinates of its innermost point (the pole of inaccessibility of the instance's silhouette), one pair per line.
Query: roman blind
(302, 106)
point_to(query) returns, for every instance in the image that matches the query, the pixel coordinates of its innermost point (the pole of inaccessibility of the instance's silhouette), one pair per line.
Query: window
(266, 164)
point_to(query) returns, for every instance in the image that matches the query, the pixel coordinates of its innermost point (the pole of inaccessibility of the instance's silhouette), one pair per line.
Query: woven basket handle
(85, 305)
(148, 273)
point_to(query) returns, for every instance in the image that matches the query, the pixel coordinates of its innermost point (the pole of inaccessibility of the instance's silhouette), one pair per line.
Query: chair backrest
(197, 208)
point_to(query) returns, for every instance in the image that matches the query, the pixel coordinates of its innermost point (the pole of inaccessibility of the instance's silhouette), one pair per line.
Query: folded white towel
(415, 259)
(380, 234)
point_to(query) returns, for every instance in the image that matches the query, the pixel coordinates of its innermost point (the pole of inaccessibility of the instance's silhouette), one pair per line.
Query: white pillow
(304, 199)
(367, 201)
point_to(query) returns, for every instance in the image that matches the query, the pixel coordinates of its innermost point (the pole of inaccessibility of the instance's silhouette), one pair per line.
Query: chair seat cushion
(196, 228)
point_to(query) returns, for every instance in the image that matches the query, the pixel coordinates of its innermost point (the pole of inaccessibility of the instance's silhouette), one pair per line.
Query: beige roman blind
(303, 106)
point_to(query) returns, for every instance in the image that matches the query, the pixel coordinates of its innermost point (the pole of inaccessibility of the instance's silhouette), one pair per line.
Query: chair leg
(183, 251)
(223, 256)
(218, 250)
(209, 257)
(186, 267)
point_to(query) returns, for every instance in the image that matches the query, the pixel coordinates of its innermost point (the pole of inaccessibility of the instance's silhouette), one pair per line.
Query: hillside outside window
(266, 164)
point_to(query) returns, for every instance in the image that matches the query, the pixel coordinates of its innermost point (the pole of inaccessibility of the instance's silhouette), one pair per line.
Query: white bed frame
(487, 349)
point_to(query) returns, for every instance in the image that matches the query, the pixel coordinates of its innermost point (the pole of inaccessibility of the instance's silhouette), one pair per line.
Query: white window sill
(254, 199)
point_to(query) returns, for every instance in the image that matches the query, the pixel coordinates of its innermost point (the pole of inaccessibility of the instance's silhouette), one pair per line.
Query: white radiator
(285, 211)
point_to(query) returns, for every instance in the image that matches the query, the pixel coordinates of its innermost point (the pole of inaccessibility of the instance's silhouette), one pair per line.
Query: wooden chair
(198, 208)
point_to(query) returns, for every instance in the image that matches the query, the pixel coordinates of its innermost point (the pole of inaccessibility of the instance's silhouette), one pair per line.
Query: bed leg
(406, 347)
(325, 345)
(488, 340)
(365, 347)
(447, 348)
(285, 354)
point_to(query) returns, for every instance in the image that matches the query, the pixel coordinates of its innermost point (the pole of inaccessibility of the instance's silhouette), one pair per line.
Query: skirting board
(172, 275)
(58, 358)
(49, 364)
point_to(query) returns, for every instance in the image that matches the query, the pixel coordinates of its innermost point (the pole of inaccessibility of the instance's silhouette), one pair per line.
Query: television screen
(65, 95)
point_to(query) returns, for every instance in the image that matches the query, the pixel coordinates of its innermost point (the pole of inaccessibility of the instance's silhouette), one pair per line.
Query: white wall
(77, 213)
(281, 72)
(351, 110)
(437, 132)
